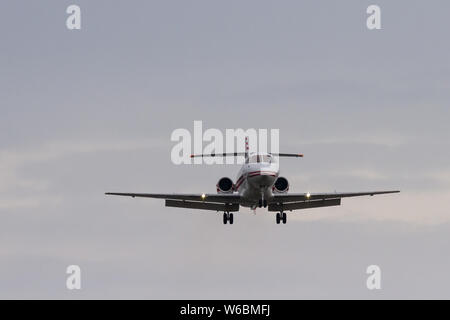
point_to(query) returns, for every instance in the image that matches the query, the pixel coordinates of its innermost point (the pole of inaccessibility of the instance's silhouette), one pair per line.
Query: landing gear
(281, 217)
(262, 203)
(228, 217)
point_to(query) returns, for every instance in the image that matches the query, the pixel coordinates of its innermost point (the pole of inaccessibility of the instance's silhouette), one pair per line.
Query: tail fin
(246, 147)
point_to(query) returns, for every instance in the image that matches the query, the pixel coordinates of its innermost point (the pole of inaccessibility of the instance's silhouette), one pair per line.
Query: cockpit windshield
(260, 158)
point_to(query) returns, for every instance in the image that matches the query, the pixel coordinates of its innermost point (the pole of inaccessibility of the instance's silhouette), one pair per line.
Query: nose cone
(261, 178)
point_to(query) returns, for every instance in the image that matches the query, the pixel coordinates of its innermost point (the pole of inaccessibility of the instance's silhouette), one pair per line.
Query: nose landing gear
(262, 203)
(281, 217)
(227, 217)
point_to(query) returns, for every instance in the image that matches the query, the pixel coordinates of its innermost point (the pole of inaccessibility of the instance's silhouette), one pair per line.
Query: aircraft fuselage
(255, 181)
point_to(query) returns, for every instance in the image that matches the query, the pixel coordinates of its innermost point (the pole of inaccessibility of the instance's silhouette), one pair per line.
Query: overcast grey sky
(89, 111)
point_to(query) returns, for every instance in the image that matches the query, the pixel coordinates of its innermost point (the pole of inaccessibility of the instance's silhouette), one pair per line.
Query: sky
(83, 112)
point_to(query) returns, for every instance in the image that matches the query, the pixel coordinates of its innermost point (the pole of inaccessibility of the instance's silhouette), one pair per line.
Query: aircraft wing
(214, 202)
(296, 201)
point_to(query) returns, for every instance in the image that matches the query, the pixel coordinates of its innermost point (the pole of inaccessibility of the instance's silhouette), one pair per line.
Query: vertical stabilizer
(246, 147)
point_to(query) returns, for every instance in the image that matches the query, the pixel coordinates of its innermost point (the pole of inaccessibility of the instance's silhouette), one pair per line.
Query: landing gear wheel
(278, 218)
(260, 203)
(265, 203)
(284, 217)
(228, 217)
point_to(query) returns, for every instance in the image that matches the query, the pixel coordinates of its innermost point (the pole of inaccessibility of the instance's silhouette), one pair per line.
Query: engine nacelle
(225, 185)
(281, 185)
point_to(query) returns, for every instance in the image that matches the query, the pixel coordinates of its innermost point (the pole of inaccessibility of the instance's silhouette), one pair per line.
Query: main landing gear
(281, 217)
(227, 217)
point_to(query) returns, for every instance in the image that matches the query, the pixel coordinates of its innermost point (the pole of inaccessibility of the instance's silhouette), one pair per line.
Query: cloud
(413, 208)
(29, 202)
(380, 138)
(22, 190)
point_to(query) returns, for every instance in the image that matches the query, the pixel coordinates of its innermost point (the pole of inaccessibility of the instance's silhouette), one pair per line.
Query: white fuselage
(255, 181)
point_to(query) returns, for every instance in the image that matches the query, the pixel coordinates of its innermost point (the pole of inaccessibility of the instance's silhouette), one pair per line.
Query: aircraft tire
(284, 217)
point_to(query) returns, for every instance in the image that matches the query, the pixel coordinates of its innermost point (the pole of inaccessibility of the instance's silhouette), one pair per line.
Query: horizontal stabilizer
(235, 154)
(291, 155)
(242, 154)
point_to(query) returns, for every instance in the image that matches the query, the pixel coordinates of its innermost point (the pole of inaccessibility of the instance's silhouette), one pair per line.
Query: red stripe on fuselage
(262, 173)
(254, 174)
(238, 184)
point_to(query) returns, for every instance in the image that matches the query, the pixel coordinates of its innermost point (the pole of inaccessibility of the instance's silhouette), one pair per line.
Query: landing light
(308, 195)
(203, 196)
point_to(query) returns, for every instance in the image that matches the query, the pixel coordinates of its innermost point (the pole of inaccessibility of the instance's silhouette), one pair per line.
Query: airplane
(258, 184)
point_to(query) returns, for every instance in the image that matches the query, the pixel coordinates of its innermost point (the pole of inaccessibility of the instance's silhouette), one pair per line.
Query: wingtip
(393, 191)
